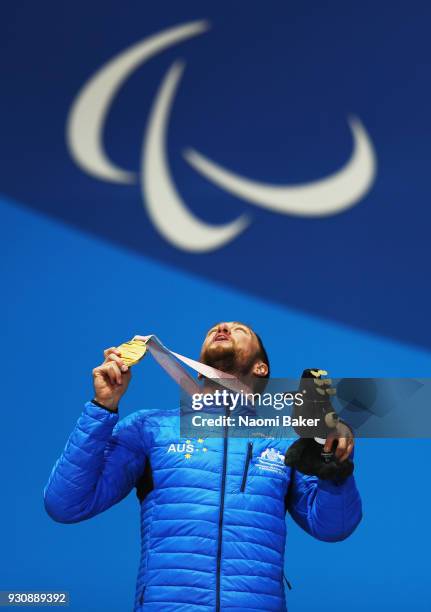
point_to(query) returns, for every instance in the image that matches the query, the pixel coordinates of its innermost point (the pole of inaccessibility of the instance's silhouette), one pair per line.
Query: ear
(260, 369)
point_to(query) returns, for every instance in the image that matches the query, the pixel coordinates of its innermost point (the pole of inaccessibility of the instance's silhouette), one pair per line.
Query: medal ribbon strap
(169, 361)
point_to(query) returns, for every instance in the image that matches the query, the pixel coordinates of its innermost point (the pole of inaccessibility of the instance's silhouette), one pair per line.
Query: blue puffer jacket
(212, 510)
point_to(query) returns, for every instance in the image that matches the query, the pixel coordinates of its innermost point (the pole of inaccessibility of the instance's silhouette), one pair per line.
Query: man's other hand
(111, 379)
(345, 441)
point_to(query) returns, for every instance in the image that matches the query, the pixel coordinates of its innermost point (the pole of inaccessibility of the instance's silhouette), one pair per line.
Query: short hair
(262, 354)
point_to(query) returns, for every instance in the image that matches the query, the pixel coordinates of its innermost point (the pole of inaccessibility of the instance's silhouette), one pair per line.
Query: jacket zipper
(220, 520)
(289, 586)
(246, 466)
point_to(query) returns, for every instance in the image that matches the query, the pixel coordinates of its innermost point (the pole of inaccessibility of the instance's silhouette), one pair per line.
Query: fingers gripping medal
(133, 351)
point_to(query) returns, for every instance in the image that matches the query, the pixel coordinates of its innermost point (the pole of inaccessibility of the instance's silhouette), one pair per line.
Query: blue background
(267, 93)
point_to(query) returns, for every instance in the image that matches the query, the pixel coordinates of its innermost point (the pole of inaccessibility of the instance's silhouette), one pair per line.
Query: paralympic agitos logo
(162, 200)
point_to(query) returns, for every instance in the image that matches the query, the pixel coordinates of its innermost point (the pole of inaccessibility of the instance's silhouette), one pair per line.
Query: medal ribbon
(169, 361)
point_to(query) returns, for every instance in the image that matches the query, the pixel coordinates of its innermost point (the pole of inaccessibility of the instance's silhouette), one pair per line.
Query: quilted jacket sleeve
(326, 510)
(100, 464)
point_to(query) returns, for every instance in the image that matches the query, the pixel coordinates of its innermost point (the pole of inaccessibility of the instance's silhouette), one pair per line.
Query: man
(213, 519)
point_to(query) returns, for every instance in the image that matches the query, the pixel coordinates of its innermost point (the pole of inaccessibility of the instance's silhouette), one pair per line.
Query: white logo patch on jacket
(271, 460)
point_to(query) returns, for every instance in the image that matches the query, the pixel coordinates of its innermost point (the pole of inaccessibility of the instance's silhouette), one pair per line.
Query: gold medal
(133, 351)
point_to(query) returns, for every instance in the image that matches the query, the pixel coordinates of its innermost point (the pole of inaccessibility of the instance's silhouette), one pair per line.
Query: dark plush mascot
(306, 454)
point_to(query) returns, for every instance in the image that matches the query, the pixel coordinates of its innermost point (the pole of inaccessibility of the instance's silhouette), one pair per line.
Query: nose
(223, 328)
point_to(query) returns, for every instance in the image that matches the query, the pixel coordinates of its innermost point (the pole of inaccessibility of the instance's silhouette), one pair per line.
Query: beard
(220, 355)
(225, 357)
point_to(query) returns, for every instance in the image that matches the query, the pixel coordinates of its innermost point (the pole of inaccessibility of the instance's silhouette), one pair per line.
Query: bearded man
(212, 519)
